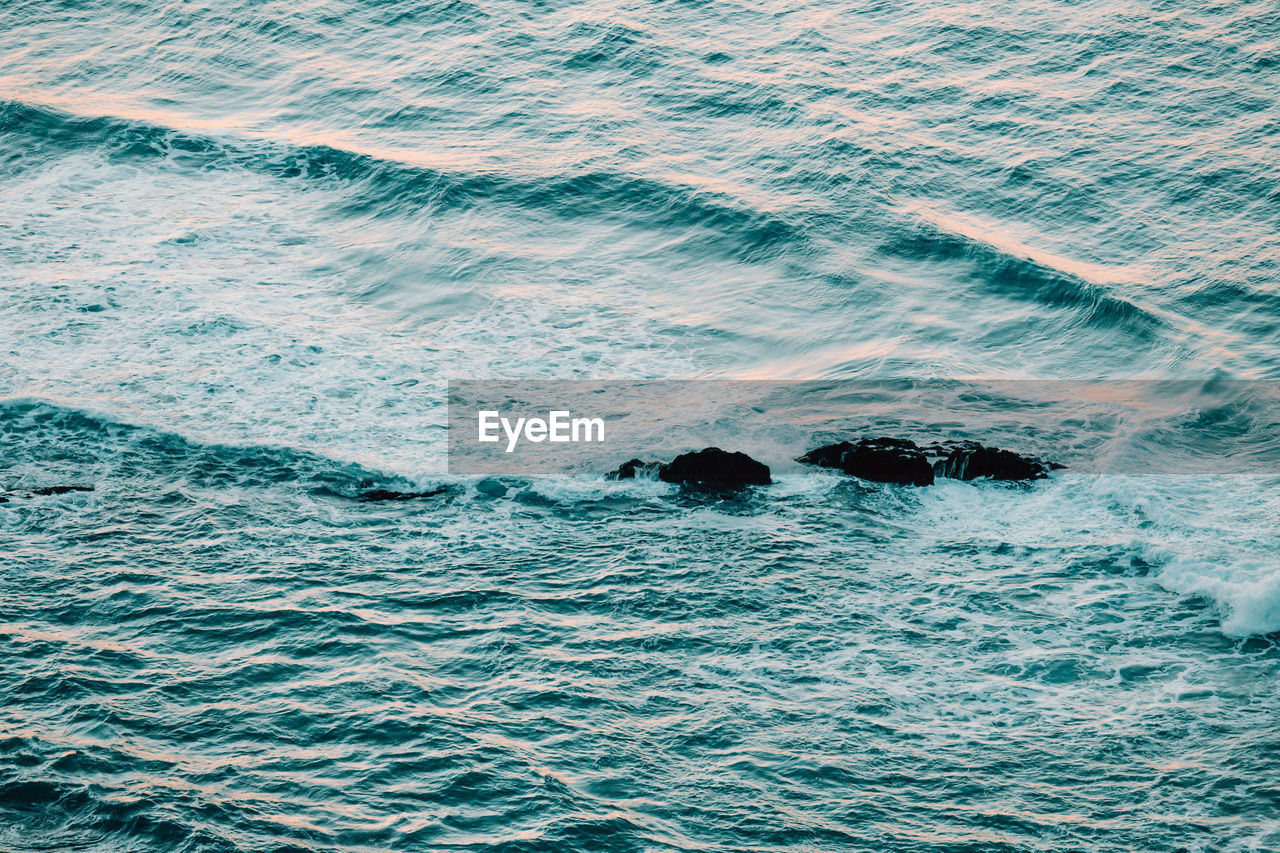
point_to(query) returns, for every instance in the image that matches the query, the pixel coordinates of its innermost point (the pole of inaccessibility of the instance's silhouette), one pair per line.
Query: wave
(1013, 269)
(1206, 536)
(1245, 591)
(385, 186)
(46, 443)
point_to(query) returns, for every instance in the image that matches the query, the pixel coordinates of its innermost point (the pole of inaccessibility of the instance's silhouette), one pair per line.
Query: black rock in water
(969, 460)
(898, 460)
(711, 468)
(45, 491)
(881, 460)
(827, 456)
(633, 468)
(60, 490)
(386, 495)
(715, 469)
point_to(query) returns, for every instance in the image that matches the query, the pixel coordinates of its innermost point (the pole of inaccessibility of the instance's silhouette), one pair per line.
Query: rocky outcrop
(634, 469)
(882, 460)
(969, 460)
(715, 468)
(710, 468)
(899, 460)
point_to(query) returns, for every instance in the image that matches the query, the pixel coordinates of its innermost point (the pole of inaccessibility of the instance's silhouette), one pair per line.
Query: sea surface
(244, 246)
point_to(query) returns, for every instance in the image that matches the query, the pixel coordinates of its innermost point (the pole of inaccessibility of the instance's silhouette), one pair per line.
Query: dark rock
(60, 490)
(881, 460)
(711, 468)
(633, 468)
(897, 460)
(969, 460)
(45, 491)
(716, 469)
(827, 456)
(386, 495)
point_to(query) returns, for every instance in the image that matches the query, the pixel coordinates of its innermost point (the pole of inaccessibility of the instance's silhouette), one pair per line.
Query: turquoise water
(245, 245)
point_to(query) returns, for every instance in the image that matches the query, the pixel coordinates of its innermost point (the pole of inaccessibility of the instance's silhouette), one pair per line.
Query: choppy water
(243, 245)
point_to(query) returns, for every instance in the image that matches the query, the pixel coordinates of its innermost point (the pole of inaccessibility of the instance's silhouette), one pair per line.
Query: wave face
(245, 244)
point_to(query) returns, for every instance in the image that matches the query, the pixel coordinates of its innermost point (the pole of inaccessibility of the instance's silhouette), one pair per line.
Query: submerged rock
(881, 460)
(710, 468)
(387, 495)
(60, 490)
(899, 460)
(45, 491)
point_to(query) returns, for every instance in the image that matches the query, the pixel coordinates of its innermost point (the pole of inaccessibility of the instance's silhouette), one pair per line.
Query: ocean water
(244, 246)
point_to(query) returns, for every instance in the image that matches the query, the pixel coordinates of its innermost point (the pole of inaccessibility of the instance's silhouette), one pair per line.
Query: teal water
(244, 245)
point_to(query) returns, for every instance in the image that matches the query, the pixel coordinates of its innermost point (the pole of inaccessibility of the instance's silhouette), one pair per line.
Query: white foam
(220, 304)
(1246, 591)
(1213, 538)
